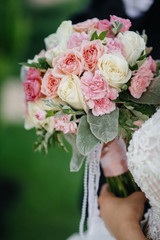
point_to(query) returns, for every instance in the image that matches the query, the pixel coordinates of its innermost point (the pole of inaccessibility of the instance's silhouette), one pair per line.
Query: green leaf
(43, 140)
(85, 139)
(103, 35)
(104, 127)
(148, 110)
(41, 64)
(50, 113)
(120, 27)
(116, 26)
(133, 67)
(77, 157)
(94, 36)
(142, 57)
(60, 141)
(140, 115)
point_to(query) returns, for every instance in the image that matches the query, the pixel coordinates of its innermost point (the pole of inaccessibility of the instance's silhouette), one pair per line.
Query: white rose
(31, 120)
(63, 33)
(133, 44)
(114, 68)
(55, 51)
(56, 43)
(69, 91)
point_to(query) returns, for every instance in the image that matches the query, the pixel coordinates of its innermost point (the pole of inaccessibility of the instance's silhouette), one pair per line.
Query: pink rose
(50, 84)
(91, 52)
(32, 89)
(32, 85)
(40, 115)
(71, 62)
(115, 45)
(93, 87)
(76, 39)
(33, 74)
(126, 22)
(86, 25)
(142, 77)
(114, 159)
(104, 25)
(64, 124)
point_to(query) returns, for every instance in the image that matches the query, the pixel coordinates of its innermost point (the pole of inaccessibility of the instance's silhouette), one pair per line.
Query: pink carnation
(71, 62)
(114, 45)
(50, 84)
(98, 94)
(32, 85)
(142, 77)
(76, 39)
(126, 22)
(91, 52)
(93, 87)
(101, 106)
(40, 115)
(86, 25)
(64, 124)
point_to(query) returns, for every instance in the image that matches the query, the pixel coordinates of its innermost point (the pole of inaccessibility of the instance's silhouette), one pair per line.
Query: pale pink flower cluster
(97, 93)
(64, 124)
(115, 45)
(142, 78)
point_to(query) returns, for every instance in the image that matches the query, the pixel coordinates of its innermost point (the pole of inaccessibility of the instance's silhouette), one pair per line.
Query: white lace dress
(144, 163)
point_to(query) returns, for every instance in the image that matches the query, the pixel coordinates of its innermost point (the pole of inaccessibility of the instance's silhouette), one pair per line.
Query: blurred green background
(39, 197)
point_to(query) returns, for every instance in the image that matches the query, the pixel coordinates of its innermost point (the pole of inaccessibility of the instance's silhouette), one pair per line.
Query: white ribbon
(91, 184)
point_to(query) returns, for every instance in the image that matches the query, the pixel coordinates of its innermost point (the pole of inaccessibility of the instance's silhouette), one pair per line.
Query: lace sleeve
(144, 158)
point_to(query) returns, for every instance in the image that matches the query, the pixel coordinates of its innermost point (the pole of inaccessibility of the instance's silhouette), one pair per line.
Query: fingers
(138, 196)
(105, 191)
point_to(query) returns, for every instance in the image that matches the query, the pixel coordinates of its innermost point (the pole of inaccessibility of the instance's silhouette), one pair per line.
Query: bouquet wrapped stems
(122, 185)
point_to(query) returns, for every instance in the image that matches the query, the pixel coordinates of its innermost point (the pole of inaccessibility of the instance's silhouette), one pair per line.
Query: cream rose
(133, 44)
(56, 43)
(114, 68)
(69, 91)
(63, 33)
(31, 120)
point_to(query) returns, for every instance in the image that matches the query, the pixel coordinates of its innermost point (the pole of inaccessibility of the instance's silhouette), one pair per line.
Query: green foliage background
(48, 200)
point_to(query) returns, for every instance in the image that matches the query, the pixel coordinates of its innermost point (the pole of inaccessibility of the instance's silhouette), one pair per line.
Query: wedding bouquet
(91, 85)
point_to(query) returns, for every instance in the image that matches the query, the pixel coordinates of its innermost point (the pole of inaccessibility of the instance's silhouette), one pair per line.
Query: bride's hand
(122, 215)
